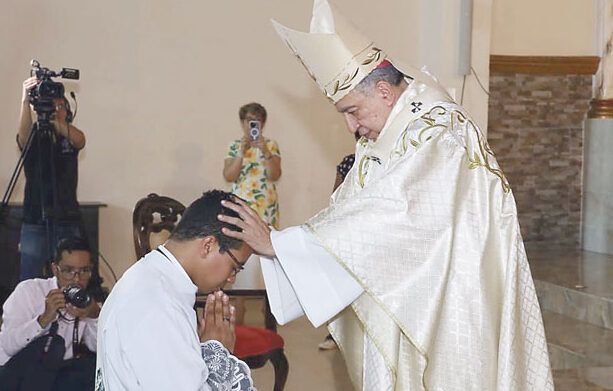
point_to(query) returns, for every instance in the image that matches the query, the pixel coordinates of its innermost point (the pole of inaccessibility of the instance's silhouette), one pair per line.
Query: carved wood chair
(153, 215)
(256, 346)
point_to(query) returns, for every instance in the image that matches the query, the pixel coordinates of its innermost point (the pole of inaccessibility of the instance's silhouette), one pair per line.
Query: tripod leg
(15, 176)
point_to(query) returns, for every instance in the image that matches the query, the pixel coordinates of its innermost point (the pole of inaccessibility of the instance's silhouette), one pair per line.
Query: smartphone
(254, 130)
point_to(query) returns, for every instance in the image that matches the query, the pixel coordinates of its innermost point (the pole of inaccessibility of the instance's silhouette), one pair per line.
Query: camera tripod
(42, 97)
(42, 134)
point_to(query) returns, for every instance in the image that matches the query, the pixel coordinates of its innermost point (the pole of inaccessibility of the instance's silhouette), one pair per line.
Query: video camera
(43, 94)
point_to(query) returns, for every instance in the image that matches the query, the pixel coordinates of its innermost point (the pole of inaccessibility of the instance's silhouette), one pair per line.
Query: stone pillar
(603, 86)
(598, 153)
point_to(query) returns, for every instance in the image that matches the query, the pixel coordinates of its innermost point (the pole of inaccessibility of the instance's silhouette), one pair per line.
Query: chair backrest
(152, 215)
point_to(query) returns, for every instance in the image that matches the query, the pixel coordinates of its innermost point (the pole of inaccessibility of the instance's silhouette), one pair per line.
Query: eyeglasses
(69, 273)
(239, 266)
(60, 107)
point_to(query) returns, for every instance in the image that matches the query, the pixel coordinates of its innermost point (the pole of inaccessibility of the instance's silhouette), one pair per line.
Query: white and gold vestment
(425, 222)
(420, 248)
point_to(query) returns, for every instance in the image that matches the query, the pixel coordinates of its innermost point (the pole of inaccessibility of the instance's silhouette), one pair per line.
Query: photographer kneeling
(51, 170)
(49, 326)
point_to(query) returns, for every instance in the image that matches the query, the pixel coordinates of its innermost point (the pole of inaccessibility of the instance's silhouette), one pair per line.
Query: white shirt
(20, 320)
(148, 337)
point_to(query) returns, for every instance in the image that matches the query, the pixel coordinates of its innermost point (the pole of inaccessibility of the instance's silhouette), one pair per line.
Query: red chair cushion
(253, 341)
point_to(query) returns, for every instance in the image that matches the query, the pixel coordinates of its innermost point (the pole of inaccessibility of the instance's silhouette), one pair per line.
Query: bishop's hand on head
(254, 231)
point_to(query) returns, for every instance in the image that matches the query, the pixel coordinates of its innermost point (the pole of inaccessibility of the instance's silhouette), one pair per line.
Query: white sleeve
(20, 319)
(90, 333)
(304, 278)
(164, 354)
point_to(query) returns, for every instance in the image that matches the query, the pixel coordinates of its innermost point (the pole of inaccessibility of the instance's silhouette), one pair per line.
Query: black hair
(70, 244)
(200, 220)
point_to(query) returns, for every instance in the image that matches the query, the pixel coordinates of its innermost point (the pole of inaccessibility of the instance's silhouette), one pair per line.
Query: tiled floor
(309, 368)
(575, 289)
(584, 271)
(583, 379)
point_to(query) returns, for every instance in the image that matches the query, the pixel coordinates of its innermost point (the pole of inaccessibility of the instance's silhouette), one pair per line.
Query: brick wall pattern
(535, 128)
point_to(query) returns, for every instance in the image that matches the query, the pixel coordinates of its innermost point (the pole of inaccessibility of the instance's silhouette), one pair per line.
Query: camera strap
(52, 333)
(76, 352)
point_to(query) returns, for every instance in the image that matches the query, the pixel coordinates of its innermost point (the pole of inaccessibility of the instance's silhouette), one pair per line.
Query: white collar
(178, 265)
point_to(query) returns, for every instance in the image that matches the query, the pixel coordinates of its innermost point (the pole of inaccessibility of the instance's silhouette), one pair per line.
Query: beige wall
(162, 81)
(425, 32)
(543, 27)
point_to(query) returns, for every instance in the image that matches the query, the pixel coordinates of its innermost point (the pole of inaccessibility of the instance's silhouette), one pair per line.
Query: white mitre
(335, 53)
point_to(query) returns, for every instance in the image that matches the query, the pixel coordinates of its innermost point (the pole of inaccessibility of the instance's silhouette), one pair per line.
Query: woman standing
(253, 164)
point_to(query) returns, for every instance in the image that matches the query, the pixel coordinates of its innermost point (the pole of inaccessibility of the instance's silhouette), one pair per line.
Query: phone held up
(254, 130)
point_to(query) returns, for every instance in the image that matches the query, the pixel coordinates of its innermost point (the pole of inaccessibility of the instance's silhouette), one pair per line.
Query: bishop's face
(365, 113)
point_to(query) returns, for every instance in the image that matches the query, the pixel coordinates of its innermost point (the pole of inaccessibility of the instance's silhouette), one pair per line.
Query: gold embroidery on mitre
(374, 55)
(347, 79)
(307, 68)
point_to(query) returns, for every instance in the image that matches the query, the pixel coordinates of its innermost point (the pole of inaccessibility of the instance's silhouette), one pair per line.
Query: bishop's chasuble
(420, 251)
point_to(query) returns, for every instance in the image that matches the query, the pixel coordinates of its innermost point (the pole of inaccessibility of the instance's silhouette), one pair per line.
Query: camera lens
(77, 296)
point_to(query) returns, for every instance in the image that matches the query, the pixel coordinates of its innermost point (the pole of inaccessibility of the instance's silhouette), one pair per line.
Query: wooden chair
(153, 214)
(254, 345)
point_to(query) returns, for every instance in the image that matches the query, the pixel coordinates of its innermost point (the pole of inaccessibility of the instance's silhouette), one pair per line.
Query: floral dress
(252, 183)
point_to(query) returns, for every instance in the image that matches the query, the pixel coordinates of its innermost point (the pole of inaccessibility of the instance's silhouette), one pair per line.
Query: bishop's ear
(386, 92)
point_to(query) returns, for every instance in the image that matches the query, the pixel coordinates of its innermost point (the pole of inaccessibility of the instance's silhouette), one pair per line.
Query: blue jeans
(34, 249)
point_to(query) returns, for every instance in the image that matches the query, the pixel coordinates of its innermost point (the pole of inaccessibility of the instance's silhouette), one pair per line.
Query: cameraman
(47, 343)
(51, 170)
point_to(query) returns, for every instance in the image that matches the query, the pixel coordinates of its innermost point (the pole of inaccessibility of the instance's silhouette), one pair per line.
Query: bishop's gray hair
(389, 74)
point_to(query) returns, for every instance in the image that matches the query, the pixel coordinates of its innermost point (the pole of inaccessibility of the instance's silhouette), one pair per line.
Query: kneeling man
(149, 337)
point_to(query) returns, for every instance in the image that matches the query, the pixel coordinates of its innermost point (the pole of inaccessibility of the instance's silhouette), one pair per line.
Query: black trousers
(41, 366)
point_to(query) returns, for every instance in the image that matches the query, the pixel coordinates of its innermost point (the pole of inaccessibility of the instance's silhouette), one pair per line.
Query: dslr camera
(46, 90)
(254, 130)
(77, 296)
